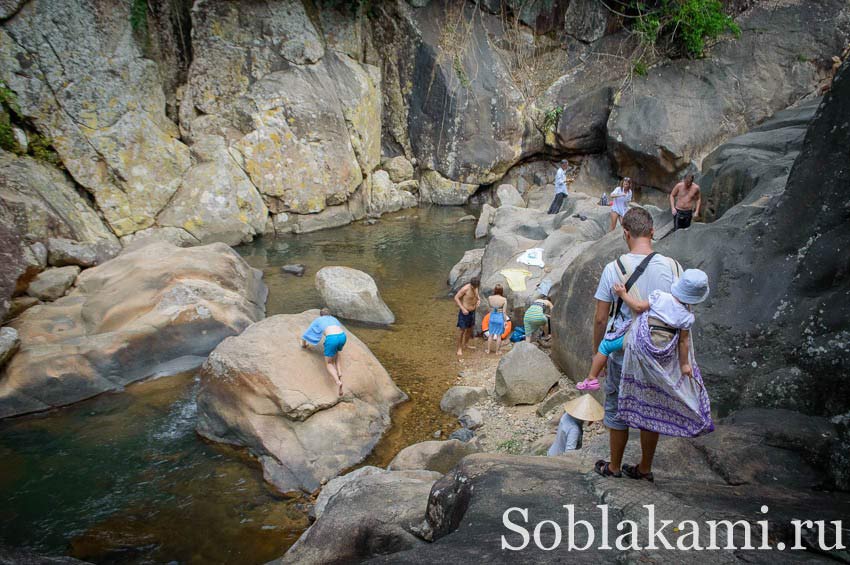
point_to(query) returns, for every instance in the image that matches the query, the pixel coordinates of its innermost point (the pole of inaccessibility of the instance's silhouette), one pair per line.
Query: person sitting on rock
(334, 334)
(620, 198)
(685, 200)
(668, 311)
(498, 317)
(467, 300)
(536, 318)
(560, 187)
(571, 427)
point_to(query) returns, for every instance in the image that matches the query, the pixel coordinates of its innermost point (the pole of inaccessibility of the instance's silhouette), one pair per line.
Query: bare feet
(460, 353)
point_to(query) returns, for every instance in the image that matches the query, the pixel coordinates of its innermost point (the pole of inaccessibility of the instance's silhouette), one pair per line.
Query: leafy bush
(551, 117)
(139, 15)
(689, 23)
(8, 108)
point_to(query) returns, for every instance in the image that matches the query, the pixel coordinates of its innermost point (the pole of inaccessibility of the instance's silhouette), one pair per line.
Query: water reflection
(123, 478)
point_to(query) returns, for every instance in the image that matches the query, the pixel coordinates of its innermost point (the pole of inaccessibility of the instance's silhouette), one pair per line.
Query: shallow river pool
(123, 478)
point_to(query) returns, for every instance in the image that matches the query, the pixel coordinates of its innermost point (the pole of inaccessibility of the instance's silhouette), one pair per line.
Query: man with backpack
(642, 271)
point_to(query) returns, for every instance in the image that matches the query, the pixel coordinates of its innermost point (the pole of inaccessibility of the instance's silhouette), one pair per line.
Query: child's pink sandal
(588, 384)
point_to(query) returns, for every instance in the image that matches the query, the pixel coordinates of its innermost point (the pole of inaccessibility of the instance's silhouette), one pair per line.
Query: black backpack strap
(632, 280)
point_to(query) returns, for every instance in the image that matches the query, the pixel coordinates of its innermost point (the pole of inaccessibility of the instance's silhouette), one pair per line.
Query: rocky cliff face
(213, 121)
(774, 330)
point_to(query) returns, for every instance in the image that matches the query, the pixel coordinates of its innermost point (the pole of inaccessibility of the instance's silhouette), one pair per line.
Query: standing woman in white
(620, 198)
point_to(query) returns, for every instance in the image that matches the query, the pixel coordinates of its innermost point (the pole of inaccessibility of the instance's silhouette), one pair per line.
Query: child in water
(668, 311)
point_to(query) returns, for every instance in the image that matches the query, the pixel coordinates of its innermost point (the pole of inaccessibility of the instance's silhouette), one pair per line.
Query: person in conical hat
(577, 411)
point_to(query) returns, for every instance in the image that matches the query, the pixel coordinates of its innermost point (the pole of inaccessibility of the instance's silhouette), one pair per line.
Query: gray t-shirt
(657, 276)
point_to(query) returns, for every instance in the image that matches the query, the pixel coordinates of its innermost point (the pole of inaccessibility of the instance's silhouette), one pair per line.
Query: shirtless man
(685, 201)
(467, 300)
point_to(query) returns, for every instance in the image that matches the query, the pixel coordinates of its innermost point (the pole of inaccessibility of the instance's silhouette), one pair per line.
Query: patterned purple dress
(654, 394)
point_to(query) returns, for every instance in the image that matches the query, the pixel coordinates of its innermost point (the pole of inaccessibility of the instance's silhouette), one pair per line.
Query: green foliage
(39, 146)
(639, 68)
(7, 136)
(8, 107)
(139, 16)
(457, 64)
(551, 117)
(42, 149)
(512, 446)
(689, 23)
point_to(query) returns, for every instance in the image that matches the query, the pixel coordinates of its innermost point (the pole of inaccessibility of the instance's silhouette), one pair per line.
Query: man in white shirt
(658, 275)
(560, 187)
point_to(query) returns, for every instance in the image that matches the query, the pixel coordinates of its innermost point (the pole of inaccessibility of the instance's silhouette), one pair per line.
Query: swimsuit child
(334, 344)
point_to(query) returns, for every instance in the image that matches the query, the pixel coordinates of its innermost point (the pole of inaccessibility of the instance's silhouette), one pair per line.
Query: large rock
(437, 189)
(216, 200)
(762, 155)
(485, 219)
(353, 295)
(303, 123)
(261, 390)
(53, 283)
(582, 126)
(524, 375)
(751, 444)
(777, 259)
(654, 132)
(9, 343)
(79, 74)
(355, 479)
(459, 398)
(369, 512)
(466, 123)
(43, 203)
(14, 264)
(399, 168)
(466, 509)
(157, 310)
(507, 195)
(386, 196)
(433, 455)
(587, 20)
(468, 267)
(63, 252)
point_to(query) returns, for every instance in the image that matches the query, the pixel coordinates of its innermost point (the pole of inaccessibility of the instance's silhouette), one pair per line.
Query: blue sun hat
(691, 288)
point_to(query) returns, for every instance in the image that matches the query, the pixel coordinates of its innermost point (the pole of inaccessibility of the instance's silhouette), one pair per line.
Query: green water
(123, 478)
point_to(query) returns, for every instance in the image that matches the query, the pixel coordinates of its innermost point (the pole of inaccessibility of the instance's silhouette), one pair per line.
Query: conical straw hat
(584, 408)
